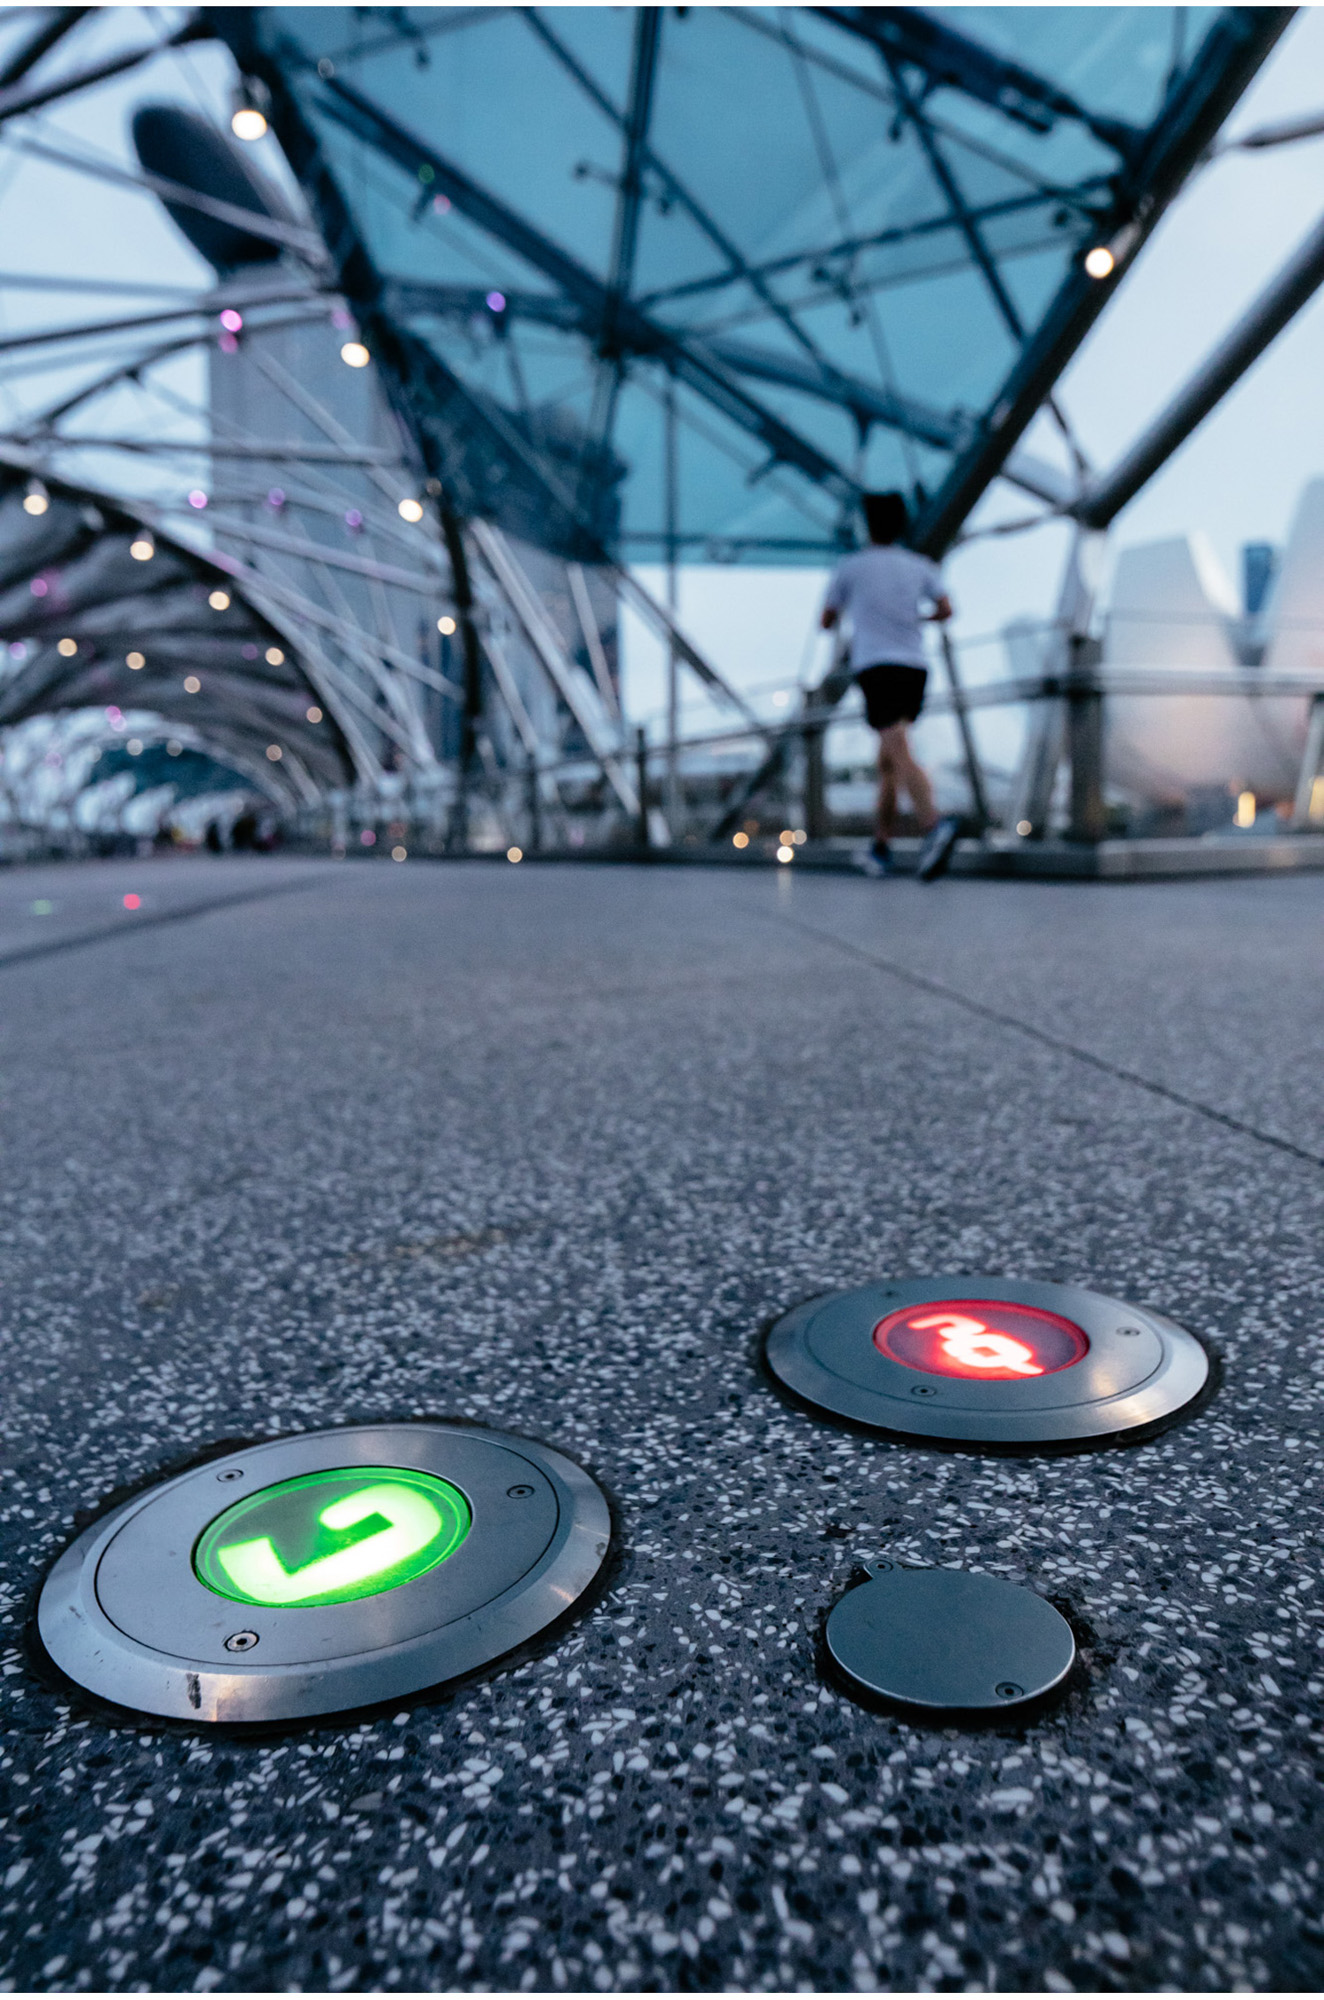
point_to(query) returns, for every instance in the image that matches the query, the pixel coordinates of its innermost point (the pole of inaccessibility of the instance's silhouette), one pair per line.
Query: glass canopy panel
(835, 241)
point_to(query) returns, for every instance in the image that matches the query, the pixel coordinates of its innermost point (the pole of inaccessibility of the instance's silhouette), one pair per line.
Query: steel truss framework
(940, 191)
(635, 284)
(90, 624)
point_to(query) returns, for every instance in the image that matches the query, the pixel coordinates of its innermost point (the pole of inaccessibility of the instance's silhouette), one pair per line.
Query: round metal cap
(944, 1638)
(324, 1572)
(988, 1361)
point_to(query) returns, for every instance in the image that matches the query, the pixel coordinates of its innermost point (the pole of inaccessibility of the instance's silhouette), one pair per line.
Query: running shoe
(939, 846)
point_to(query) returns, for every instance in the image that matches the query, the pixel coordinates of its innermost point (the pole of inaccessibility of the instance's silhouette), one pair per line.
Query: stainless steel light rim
(1181, 1372)
(192, 1621)
(91, 1650)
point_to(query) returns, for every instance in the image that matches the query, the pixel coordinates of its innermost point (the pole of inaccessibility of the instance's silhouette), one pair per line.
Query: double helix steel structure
(527, 299)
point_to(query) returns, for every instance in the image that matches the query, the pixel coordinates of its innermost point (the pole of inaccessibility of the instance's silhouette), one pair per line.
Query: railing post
(973, 772)
(641, 781)
(534, 801)
(1085, 741)
(815, 779)
(1311, 759)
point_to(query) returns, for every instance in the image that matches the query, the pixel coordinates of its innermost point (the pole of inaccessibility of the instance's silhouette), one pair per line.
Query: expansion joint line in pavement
(924, 984)
(127, 926)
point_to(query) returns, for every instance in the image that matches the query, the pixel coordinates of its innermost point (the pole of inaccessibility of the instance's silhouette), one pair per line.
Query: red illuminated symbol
(133, 902)
(975, 1345)
(987, 1340)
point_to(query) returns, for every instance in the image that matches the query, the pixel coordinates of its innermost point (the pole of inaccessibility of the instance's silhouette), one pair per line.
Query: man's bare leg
(885, 809)
(897, 769)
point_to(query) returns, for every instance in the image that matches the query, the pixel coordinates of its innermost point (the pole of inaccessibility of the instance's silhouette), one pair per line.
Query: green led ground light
(332, 1537)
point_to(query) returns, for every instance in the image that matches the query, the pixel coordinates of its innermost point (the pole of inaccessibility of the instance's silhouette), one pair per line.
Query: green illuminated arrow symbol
(256, 1569)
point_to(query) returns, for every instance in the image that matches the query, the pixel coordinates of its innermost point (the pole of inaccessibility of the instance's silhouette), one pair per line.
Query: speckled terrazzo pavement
(544, 1147)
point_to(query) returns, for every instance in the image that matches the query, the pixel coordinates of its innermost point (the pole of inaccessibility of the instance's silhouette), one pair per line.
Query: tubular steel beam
(1233, 50)
(625, 240)
(909, 35)
(956, 201)
(293, 453)
(174, 194)
(14, 101)
(570, 681)
(44, 336)
(648, 27)
(1293, 288)
(877, 239)
(948, 430)
(1285, 132)
(56, 25)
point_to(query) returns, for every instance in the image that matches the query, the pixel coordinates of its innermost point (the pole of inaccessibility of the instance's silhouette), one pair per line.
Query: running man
(880, 590)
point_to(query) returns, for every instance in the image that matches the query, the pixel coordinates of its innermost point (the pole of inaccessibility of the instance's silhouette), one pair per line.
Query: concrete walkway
(545, 1147)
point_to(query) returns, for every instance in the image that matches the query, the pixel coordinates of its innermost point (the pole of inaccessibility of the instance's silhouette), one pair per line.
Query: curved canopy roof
(702, 274)
(87, 624)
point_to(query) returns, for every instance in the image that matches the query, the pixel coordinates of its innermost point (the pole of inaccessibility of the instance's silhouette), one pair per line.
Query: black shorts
(891, 694)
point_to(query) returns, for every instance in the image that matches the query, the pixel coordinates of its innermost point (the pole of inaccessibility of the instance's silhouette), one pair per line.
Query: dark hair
(886, 516)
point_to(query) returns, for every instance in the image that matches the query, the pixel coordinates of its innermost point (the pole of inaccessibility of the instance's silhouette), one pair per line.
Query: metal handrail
(1205, 682)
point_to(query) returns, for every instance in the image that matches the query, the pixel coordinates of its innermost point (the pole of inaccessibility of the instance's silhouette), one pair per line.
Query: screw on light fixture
(241, 1642)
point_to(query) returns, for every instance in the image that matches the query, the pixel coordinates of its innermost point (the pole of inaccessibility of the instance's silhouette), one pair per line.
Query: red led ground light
(980, 1340)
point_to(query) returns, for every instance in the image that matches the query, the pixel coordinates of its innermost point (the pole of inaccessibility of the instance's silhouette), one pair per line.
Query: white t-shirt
(880, 589)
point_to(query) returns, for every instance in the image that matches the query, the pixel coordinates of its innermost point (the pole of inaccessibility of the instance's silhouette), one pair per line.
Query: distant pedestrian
(882, 592)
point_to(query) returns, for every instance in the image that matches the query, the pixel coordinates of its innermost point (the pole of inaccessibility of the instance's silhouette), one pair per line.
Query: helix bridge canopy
(682, 281)
(637, 285)
(100, 611)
